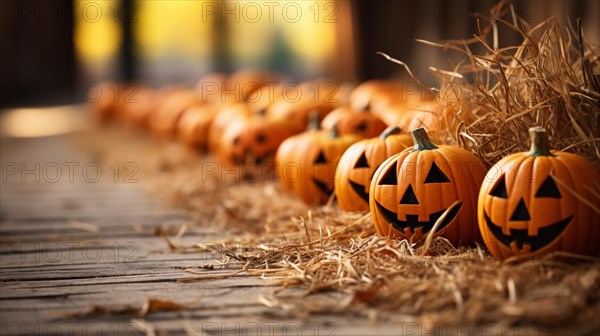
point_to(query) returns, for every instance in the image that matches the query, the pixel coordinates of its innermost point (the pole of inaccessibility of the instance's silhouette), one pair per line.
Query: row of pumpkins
(527, 205)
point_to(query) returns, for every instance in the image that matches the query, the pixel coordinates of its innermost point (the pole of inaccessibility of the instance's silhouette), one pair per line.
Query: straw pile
(552, 79)
(329, 261)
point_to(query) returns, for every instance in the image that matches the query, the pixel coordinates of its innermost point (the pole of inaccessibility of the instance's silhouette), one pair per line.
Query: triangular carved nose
(409, 196)
(521, 213)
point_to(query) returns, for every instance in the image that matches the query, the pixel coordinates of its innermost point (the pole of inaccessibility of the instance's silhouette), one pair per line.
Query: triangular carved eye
(362, 162)
(390, 178)
(436, 175)
(321, 158)
(548, 189)
(499, 189)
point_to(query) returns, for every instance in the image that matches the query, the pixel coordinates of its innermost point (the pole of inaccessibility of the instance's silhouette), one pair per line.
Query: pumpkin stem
(421, 140)
(539, 142)
(389, 131)
(262, 112)
(313, 121)
(334, 132)
(367, 107)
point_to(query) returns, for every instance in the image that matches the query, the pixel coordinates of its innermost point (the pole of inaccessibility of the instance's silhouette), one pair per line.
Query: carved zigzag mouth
(412, 221)
(520, 237)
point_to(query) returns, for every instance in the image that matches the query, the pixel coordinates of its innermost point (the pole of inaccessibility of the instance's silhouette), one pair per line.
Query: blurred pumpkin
(243, 84)
(137, 110)
(531, 203)
(163, 121)
(424, 115)
(311, 97)
(375, 95)
(306, 163)
(411, 190)
(194, 124)
(252, 139)
(257, 104)
(105, 105)
(358, 164)
(349, 121)
(210, 87)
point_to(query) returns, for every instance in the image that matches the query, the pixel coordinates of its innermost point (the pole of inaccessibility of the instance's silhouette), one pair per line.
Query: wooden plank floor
(80, 257)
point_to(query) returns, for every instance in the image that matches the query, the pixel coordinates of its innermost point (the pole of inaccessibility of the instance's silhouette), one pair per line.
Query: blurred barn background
(51, 49)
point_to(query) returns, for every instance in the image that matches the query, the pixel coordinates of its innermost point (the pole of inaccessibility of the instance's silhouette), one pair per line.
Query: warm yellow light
(251, 28)
(311, 33)
(306, 29)
(97, 33)
(172, 28)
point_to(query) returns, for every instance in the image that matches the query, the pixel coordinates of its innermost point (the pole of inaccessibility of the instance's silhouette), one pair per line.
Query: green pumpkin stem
(391, 130)
(539, 142)
(421, 140)
(314, 124)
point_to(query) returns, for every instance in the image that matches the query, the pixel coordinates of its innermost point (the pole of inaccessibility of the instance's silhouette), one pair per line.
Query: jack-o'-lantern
(255, 104)
(533, 203)
(306, 163)
(359, 162)
(252, 140)
(349, 121)
(411, 190)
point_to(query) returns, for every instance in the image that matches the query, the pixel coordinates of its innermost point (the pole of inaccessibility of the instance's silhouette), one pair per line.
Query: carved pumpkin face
(412, 189)
(349, 121)
(358, 164)
(252, 140)
(306, 163)
(526, 209)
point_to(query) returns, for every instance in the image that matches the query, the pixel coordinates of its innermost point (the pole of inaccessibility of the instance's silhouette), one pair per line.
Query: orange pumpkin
(411, 190)
(252, 140)
(106, 104)
(349, 121)
(193, 126)
(376, 95)
(243, 84)
(226, 113)
(306, 163)
(424, 115)
(210, 87)
(164, 120)
(138, 109)
(530, 203)
(311, 97)
(359, 162)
